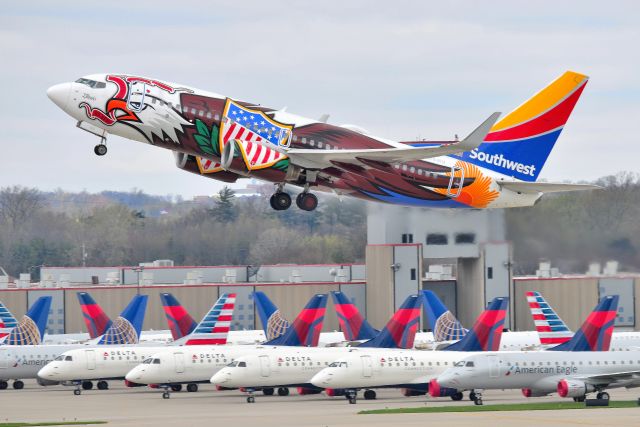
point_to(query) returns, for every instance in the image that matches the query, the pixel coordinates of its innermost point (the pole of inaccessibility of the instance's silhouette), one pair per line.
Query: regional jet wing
(318, 159)
(544, 187)
(626, 377)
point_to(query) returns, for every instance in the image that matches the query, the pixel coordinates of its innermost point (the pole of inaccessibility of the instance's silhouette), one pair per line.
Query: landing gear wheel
(251, 399)
(307, 201)
(87, 385)
(472, 396)
(166, 395)
(176, 387)
(268, 391)
(192, 388)
(603, 395)
(352, 400)
(100, 150)
(478, 401)
(77, 392)
(283, 391)
(103, 385)
(280, 201)
(3, 385)
(369, 395)
(457, 397)
(18, 385)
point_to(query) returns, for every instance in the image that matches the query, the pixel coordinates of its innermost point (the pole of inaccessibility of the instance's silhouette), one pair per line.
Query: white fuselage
(24, 361)
(538, 371)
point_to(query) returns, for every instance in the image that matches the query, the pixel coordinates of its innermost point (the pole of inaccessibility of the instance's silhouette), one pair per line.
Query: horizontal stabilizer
(545, 187)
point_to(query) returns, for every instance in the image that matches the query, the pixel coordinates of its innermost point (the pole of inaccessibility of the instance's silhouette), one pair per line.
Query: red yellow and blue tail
(486, 333)
(595, 333)
(94, 317)
(180, 321)
(354, 326)
(400, 331)
(305, 329)
(520, 143)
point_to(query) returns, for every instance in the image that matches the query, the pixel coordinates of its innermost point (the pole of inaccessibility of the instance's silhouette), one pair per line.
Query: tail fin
(519, 144)
(180, 321)
(7, 321)
(32, 326)
(305, 329)
(354, 326)
(486, 333)
(95, 318)
(551, 328)
(442, 322)
(214, 327)
(595, 333)
(273, 323)
(127, 327)
(401, 329)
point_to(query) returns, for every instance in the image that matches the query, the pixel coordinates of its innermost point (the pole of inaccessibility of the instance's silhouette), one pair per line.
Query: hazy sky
(398, 69)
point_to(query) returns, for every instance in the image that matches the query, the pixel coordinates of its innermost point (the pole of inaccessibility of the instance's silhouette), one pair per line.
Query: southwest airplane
(496, 166)
(575, 368)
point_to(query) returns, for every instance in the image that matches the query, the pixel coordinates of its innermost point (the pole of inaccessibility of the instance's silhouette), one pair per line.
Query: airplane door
(494, 366)
(135, 99)
(265, 366)
(455, 182)
(91, 359)
(179, 361)
(4, 358)
(367, 367)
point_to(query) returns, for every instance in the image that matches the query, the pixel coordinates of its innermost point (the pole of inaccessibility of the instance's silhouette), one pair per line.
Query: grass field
(53, 423)
(542, 406)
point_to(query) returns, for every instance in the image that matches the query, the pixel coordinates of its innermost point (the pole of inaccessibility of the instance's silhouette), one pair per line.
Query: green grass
(52, 423)
(542, 406)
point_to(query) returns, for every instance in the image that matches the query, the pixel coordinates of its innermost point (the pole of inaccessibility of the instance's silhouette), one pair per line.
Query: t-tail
(354, 326)
(94, 317)
(273, 322)
(305, 329)
(595, 333)
(519, 144)
(441, 321)
(486, 333)
(400, 331)
(180, 321)
(127, 327)
(7, 322)
(551, 328)
(214, 327)
(31, 328)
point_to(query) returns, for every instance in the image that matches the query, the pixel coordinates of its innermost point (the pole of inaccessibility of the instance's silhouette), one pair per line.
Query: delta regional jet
(495, 166)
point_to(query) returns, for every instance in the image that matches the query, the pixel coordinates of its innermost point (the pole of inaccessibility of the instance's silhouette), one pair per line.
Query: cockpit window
(91, 83)
(470, 365)
(232, 364)
(242, 364)
(68, 359)
(147, 361)
(459, 364)
(59, 358)
(156, 361)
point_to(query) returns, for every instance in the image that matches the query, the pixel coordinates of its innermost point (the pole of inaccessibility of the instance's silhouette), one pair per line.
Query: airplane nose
(219, 378)
(59, 94)
(45, 372)
(320, 379)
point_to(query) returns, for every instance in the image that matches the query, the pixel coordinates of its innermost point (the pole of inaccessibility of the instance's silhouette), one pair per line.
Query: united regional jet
(496, 166)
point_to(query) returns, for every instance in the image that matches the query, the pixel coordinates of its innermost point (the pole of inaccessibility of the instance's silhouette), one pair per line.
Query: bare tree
(19, 204)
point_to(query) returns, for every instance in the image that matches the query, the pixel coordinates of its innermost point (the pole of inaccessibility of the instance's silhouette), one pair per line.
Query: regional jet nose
(59, 94)
(321, 379)
(46, 372)
(220, 377)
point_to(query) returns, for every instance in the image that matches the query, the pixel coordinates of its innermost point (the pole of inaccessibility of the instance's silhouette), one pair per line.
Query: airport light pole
(138, 270)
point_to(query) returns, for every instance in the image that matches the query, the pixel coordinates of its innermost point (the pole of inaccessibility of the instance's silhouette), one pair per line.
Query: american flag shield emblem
(255, 133)
(208, 166)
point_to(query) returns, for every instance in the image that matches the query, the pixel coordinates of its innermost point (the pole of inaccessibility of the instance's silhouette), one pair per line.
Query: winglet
(442, 322)
(95, 319)
(127, 327)
(486, 333)
(214, 327)
(32, 326)
(354, 326)
(305, 329)
(273, 323)
(595, 333)
(180, 321)
(475, 138)
(400, 331)
(551, 328)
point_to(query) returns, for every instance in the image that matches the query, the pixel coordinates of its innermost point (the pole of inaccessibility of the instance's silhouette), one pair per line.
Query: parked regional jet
(218, 137)
(575, 368)
(410, 369)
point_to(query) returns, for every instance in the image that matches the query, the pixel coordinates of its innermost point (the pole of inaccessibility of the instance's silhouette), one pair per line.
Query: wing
(624, 378)
(545, 187)
(318, 159)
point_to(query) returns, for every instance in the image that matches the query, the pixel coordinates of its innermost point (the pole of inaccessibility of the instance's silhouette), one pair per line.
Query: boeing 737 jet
(218, 137)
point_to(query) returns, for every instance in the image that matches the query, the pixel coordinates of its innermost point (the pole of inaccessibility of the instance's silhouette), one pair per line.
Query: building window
(413, 274)
(437, 239)
(407, 238)
(465, 238)
(489, 272)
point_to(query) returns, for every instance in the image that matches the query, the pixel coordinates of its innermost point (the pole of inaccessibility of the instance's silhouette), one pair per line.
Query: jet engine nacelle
(527, 392)
(189, 163)
(334, 392)
(44, 382)
(574, 388)
(436, 391)
(409, 392)
(308, 390)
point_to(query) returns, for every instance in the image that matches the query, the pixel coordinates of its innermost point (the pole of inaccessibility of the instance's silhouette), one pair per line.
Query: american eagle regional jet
(496, 166)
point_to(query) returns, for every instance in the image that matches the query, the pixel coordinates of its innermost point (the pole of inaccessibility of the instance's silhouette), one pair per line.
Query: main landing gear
(4, 385)
(370, 395)
(18, 385)
(100, 149)
(281, 200)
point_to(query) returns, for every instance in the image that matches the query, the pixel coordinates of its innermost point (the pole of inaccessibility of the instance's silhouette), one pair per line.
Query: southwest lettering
(503, 162)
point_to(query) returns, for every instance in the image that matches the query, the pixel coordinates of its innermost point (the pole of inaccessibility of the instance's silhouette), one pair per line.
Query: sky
(401, 70)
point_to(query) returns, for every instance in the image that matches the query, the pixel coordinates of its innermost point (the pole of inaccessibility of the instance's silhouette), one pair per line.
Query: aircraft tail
(273, 323)
(595, 333)
(551, 328)
(400, 331)
(519, 144)
(180, 321)
(305, 329)
(486, 333)
(7, 321)
(214, 327)
(354, 326)
(95, 318)
(127, 327)
(30, 330)
(441, 321)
